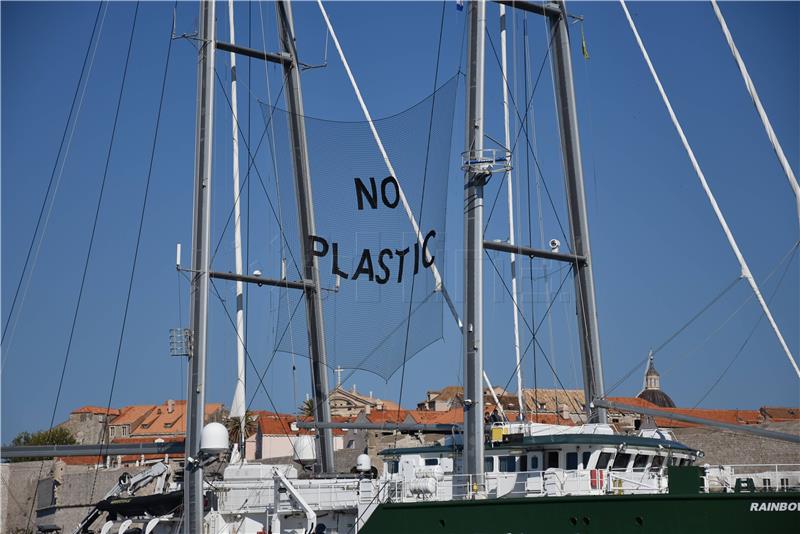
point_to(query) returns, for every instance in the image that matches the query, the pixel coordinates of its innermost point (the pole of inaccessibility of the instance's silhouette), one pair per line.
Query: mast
(305, 212)
(238, 408)
(578, 219)
(510, 198)
(201, 233)
(474, 178)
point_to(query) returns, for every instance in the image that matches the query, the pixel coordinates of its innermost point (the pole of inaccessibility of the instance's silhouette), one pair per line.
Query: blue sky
(659, 254)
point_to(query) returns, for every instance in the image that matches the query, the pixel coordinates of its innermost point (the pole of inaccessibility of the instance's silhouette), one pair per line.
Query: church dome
(657, 397)
(652, 387)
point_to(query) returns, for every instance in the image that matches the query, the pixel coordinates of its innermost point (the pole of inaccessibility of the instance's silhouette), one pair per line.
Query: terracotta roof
(633, 401)
(427, 417)
(101, 410)
(553, 399)
(734, 417)
(775, 413)
(128, 458)
(161, 421)
(280, 424)
(132, 414)
(388, 416)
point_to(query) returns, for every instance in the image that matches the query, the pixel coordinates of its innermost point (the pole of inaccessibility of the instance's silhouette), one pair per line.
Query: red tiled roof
(387, 416)
(776, 413)
(733, 417)
(161, 421)
(101, 410)
(427, 417)
(132, 414)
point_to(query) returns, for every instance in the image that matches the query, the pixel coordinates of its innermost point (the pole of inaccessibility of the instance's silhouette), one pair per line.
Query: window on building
(124, 431)
(551, 459)
(111, 432)
(767, 483)
(658, 461)
(431, 461)
(167, 425)
(488, 464)
(508, 464)
(586, 457)
(603, 460)
(572, 460)
(621, 461)
(351, 443)
(784, 484)
(640, 462)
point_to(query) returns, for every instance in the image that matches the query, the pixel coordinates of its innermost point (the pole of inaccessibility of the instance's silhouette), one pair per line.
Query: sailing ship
(505, 476)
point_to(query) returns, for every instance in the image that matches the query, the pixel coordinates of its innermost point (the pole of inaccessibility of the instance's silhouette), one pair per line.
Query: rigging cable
(250, 359)
(750, 335)
(421, 206)
(675, 334)
(91, 241)
(712, 200)
(142, 213)
(751, 88)
(534, 331)
(85, 73)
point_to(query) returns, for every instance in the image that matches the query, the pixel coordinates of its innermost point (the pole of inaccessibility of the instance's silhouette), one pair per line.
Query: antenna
(178, 256)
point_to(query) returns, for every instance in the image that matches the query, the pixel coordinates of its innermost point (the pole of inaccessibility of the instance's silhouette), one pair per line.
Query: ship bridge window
(508, 464)
(621, 461)
(586, 457)
(391, 467)
(534, 462)
(640, 462)
(603, 460)
(431, 461)
(488, 464)
(658, 461)
(550, 459)
(572, 460)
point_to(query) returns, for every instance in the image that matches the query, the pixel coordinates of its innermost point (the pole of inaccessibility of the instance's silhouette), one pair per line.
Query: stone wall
(723, 447)
(74, 486)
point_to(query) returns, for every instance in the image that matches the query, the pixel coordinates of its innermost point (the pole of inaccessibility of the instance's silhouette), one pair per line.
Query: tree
(234, 426)
(54, 436)
(307, 408)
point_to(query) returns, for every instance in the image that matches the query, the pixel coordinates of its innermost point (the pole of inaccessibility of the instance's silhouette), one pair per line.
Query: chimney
(170, 406)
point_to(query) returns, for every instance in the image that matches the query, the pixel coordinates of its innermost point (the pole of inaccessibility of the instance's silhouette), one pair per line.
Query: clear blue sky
(659, 254)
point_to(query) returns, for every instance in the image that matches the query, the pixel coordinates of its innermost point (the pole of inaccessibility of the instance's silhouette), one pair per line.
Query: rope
(747, 339)
(712, 200)
(72, 110)
(675, 334)
(751, 88)
(421, 205)
(250, 359)
(91, 240)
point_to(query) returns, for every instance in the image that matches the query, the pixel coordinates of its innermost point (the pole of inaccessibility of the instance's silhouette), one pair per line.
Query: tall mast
(305, 211)
(578, 219)
(201, 234)
(474, 179)
(510, 199)
(238, 407)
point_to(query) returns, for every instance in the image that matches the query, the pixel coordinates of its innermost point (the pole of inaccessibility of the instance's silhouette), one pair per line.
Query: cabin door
(551, 459)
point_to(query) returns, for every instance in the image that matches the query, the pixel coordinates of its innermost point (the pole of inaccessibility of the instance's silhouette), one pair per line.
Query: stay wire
(421, 207)
(91, 238)
(252, 363)
(675, 334)
(142, 214)
(532, 330)
(53, 172)
(749, 335)
(521, 128)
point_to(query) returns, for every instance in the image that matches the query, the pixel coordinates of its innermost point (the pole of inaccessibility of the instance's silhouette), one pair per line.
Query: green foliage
(54, 436)
(234, 426)
(307, 408)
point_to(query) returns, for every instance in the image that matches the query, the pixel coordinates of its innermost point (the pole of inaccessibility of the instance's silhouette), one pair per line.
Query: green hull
(611, 514)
